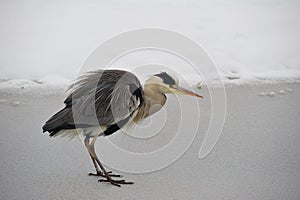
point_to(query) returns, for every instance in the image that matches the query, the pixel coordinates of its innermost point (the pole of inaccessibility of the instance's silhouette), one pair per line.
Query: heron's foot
(98, 173)
(114, 182)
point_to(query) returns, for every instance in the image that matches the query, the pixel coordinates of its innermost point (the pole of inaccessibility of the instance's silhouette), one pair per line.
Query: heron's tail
(58, 122)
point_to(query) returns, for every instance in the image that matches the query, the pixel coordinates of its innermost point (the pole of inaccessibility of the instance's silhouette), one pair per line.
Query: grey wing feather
(108, 92)
(102, 97)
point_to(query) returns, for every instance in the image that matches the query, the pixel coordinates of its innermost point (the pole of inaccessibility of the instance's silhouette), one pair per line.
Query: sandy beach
(257, 156)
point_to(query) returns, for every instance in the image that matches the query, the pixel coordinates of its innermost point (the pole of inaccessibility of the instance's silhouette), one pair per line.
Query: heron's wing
(104, 97)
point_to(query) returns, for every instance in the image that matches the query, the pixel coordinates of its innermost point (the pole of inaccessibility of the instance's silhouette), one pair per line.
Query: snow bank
(46, 85)
(251, 41)
(50, 84)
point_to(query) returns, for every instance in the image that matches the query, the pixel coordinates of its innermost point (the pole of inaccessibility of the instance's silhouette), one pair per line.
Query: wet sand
(257, 156)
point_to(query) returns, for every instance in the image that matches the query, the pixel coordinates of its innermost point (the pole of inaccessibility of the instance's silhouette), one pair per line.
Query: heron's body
(103, 101)
(94, 99)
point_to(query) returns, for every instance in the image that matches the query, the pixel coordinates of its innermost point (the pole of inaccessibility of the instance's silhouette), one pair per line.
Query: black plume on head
(167, 79)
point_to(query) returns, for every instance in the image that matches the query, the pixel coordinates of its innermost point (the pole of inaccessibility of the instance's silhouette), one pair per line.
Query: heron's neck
(154, 100)
(154, 94)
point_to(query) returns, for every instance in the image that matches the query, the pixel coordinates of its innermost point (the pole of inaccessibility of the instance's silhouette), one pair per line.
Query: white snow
(18, 84)
(289, 89)
(15, 103)
(262, 94)
(271, 94)
(282, 92)
(252, 41)
(54, 81)
(46, 85)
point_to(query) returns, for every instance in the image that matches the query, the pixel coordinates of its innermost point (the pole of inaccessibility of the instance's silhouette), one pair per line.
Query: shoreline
(29, 87)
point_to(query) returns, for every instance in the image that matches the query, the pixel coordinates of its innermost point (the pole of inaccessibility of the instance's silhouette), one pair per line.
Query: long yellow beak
(181, 90)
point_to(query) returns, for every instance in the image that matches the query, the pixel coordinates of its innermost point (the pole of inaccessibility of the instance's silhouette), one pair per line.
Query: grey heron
(103, 101)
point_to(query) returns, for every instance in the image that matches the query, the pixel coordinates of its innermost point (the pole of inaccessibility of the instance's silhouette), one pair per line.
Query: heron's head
(168, 84)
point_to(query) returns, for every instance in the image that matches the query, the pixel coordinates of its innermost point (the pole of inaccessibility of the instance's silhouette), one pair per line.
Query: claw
(115, 182)
(96, 174)
(113, 175)
(101, 174)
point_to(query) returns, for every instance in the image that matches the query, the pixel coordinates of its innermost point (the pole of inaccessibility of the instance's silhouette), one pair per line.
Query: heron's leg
(98, 171)
(87, 144)
(106, 174)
